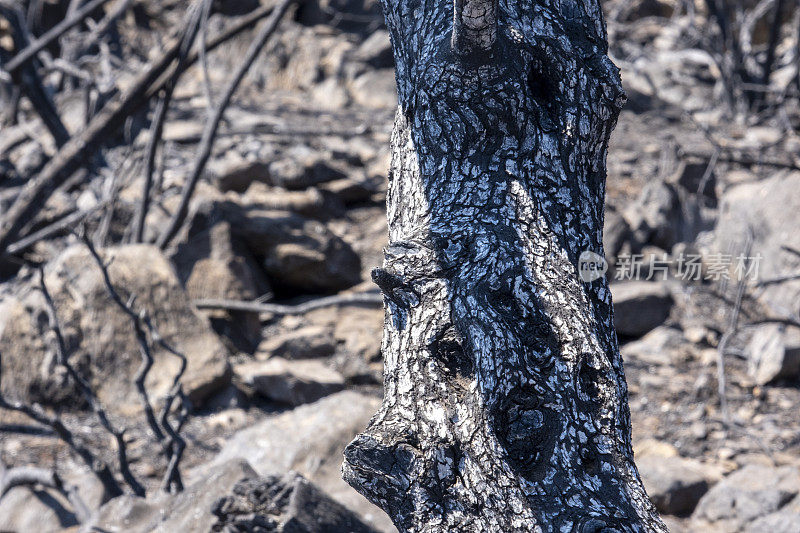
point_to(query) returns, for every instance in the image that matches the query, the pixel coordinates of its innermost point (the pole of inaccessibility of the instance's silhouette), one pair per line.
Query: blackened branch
(88, 393)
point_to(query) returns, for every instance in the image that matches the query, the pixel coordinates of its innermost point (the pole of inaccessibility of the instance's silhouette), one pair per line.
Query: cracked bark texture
(505, 400)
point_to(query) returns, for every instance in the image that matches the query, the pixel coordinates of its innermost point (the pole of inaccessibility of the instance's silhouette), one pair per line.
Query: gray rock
(212, 263)
(100, 336)
(654, 217)
(352, 190)
(310, 202)
(237, 175)
(640, 306)
(301, 343)
(783, 521)
(289, 504)
(674, 484)
(648, 8)
(331, 94)
(359, 332)
(665, 214)
(376, 89)
(769, 209)
(233, 8)
(348, 15)
(303, 169)
(376, 50)
(773, 353)
(31, 509)
(661, 346)
(310, 439)
(291, 382)
(616, 233)
(295, 252)
(748, 494)
(190, 510)
(691, 175)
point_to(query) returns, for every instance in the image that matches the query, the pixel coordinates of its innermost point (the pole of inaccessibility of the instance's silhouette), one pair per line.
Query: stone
(331, 94)
(655, 448)
(375, 89)
(238, 174)
(212, 263)
(691, 175)
(310, 202)
(190, 510)
(301, 343)
(290, 382)
(35, 509)
(616, 233)
(297, 254)
(649, 8)
(768, 210)
(100, 337)
(306, 254)
(783, 521)
(287, 504)
(310, 439)
(773, 353)
(376, 50)
(359, 331)
(748, 494)
(665, 214)
(350, 190)
(303, 168)
(640, 306)
(661, 346)
(654, 217)
(675, 484)
(347, 15)
(233, 8)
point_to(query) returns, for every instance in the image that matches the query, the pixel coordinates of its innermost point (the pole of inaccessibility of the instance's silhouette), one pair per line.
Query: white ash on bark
(505, 401)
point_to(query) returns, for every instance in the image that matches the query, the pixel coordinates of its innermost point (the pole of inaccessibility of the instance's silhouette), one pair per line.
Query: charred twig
(36, 46)
(102, 126)
(79, 149)
(29, 81)
(165, 433)
(744, 160)
(101, 471)
(209, 133)
(207, 4)
(88, 393)
(774, 35)
(369, 298)
(24, 476)
(109, 20)
(63, 225)
(172, 481)
(159, 116)
(137, 320)
(723, 343)
(232, 31)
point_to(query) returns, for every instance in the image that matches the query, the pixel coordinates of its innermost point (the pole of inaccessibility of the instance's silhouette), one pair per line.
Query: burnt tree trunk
(505, 401)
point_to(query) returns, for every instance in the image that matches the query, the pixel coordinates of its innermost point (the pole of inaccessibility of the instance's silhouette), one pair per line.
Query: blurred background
(192, 197)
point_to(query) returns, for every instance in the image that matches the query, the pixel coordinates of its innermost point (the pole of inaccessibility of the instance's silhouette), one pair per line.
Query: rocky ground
(701, 235)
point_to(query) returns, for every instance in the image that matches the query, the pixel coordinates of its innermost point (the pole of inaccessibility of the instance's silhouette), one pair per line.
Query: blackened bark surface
(505, 401)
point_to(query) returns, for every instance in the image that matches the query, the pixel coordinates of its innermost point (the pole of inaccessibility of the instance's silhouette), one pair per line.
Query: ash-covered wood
(505, 401)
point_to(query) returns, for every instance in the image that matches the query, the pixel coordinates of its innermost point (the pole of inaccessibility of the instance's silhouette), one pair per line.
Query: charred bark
(505, 402)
